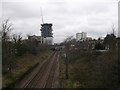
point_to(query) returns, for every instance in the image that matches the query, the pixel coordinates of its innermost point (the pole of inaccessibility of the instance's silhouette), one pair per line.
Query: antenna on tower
(42, 15)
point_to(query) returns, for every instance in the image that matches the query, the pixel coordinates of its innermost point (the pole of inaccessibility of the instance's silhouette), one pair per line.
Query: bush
(95, 70)
(99, 46)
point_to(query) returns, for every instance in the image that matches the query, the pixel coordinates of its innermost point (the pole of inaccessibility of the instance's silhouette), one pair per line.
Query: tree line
(14, 46)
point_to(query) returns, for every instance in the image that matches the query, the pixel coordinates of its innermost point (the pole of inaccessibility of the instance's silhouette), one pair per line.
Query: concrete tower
(46, 33)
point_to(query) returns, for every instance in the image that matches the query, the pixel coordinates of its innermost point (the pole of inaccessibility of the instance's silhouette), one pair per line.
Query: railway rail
(45, 76)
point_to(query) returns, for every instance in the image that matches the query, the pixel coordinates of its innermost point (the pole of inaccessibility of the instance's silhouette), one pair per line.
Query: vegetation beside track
(22, 65)
(90, 69)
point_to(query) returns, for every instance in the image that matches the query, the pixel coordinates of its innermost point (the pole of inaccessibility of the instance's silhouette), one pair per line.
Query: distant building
(81, 36)
(48, 40)
(46, 30)
(89, 38)
(46, 34)
(35, 38)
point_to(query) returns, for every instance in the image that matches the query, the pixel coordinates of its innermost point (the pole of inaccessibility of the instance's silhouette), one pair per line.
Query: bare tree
(68, 39)
(67, 43)
(6, 28)
(7, 46)
(16, 38)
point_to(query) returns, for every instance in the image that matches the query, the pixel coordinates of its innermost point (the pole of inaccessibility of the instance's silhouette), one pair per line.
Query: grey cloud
(68, 17)
(88, 8)
(20, 10)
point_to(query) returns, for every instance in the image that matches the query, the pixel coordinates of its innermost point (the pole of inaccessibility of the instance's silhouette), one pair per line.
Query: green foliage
(22, 49)
(23, 64)
(92, 69)
(14, 48)
(99, 46)
(110, 40)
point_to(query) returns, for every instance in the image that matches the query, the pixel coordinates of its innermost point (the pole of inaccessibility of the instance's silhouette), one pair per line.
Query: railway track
(50, 78)
(45, 76)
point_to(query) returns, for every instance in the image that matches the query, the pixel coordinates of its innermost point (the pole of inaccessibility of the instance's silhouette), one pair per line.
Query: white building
(34, 37)
(48, 40)
(42, 40)
(81, 36)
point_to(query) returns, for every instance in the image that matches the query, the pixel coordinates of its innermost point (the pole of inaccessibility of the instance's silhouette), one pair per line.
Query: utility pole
(10, 62)
(66, 67)
(13, 51)
(66, 62)
(119, 42)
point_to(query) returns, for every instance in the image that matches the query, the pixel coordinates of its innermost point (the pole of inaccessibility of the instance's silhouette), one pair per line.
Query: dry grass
(22, 65)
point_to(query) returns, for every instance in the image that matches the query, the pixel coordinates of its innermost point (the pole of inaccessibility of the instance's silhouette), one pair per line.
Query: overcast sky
(96, 17)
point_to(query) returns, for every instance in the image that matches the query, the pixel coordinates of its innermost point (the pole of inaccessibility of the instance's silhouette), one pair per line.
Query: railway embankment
(23, 66)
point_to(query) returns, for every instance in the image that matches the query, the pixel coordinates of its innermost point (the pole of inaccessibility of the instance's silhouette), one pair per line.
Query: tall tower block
(46, 33)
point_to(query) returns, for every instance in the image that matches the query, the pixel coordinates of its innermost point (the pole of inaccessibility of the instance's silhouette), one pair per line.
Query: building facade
(46, 33)
(35, 38)
(81, 36)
